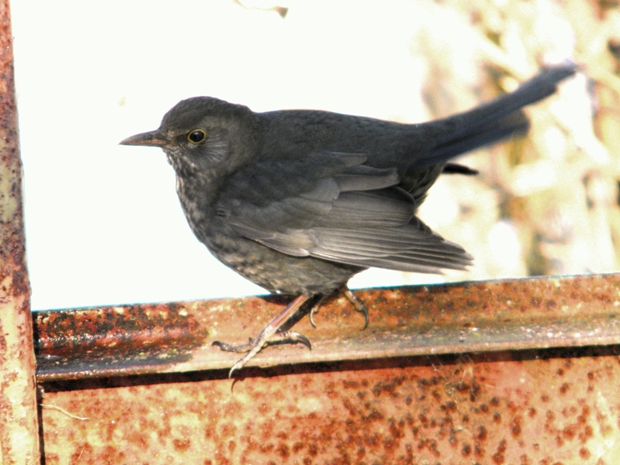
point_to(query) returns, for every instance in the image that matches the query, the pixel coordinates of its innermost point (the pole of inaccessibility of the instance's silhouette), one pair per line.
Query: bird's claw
(358, 304)
(315, 309)
(294, 337)
(255, 345)
(311, 315)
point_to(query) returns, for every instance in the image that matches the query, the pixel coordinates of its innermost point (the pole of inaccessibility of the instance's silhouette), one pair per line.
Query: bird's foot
(357, 303)
(270, 334)
(281, 337)
(254, 345)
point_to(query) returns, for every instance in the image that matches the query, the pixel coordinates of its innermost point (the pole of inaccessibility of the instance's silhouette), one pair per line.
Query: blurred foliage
(549, 203)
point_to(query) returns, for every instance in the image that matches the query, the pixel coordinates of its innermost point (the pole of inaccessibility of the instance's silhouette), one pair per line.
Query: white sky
(103, 222)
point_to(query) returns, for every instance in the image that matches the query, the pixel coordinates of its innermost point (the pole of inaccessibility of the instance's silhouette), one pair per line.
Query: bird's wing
(332, 206)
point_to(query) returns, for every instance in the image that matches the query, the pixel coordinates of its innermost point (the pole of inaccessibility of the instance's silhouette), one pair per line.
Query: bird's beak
(149, 139)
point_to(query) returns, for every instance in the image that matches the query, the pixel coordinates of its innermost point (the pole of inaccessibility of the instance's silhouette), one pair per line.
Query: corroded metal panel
(529, 407)
(382, 395)
(19, 442)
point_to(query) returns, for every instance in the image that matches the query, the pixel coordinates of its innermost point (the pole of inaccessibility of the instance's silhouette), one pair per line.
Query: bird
(299, 201)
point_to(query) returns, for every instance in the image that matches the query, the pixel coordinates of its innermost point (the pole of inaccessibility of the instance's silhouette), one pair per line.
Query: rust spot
(482, 434)
(264, 408)
(349, 384)
(82, 450)
(569, 431)
(584, 453)
(430, 445)
(452, 438)
(283, 450)
(181, 445)
(497, 417)
(466, 450)
(388, 388)
(330, 390)
(498, 456)
(449, 406)
(473, 393)
(550, 304)
(515, 426)
(478, 450)
(544, 398)
(349, 406)
(564, 388)
(531, 412)
(313, 449)
(586, 434)
(375, 415)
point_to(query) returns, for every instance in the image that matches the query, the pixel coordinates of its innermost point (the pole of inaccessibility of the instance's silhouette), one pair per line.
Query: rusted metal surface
(133, 339)
(531, 407)
(453, 318)
(383, 395)
(19, 443)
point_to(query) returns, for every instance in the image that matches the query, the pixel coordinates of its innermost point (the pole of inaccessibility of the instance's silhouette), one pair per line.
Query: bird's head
(203, 135)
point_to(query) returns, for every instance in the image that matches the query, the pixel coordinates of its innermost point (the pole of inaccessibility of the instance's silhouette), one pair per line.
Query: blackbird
(299, 201)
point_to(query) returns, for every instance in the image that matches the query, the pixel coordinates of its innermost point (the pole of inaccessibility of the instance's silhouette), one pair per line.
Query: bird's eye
(197, 136)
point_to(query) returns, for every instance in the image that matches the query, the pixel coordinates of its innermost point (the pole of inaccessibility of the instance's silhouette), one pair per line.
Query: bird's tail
(493, 121)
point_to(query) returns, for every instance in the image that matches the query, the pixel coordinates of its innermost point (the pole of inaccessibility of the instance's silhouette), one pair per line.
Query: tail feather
(492, 121)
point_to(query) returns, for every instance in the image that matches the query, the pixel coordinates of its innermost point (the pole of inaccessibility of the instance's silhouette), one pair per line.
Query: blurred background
(103, 222)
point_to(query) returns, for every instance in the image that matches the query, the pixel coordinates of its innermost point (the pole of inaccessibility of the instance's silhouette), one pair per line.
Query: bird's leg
(268, 334)
(357, 303)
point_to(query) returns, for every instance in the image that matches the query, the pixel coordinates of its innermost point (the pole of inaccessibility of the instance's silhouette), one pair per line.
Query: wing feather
(343, 211)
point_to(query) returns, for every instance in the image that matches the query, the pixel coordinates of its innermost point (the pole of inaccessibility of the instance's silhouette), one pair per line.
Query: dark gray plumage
(299, 201)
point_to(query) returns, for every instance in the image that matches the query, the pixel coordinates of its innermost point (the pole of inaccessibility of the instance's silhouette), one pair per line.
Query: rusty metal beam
(440, 319)
(19, 441)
